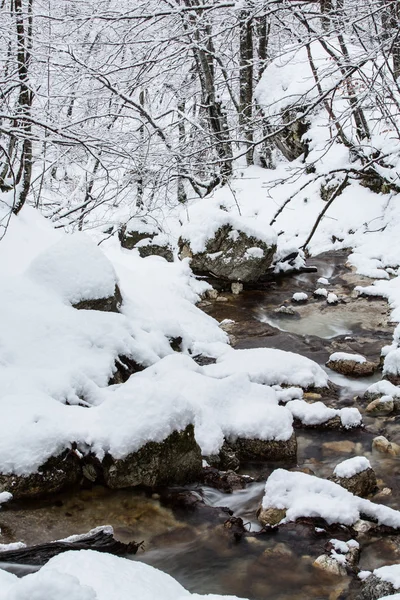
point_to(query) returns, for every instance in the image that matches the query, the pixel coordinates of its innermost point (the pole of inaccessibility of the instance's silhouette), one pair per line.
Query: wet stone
(382, 444)
(225, 481)
(352, 368)
(254, 449)
(380, 406)
(330, 565)
(271, 516)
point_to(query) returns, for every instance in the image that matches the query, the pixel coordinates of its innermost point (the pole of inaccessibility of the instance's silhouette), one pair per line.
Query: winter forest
(199, 299)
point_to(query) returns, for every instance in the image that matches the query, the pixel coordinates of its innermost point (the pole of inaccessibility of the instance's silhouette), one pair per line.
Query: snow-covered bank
(89, 575)
(56, 362)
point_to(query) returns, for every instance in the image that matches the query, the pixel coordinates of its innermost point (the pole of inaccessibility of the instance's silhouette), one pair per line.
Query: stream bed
(194, 544)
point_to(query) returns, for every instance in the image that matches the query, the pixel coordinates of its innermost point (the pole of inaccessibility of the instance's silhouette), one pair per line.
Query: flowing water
(194, 546)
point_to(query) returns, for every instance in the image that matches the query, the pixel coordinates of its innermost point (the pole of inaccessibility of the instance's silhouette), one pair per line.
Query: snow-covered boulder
(230, 255)
(76, 269)
(225, 245)
(353, 365)
(356, 476)
(301, 495)
(147, 239)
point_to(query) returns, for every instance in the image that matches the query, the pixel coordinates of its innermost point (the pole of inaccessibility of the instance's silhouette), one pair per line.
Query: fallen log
(100, 539)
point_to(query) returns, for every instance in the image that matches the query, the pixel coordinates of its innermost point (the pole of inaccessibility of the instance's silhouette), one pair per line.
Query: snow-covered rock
(318, 414)
(147, 239)
(79, 272)
(353, 365)
(224, 245)
(300, 297)
(302, 495)
(356, 475)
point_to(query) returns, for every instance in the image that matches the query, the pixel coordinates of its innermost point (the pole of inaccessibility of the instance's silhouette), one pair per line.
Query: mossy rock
(176, 460)
(56, 474)
(254, 449)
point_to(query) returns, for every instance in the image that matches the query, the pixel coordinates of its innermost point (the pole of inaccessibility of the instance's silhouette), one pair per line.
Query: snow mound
(89, 575)
(76, 269)
(304, 495)
(352, 466)
(270, 367)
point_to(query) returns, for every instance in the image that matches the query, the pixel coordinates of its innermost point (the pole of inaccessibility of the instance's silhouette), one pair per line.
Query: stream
(193, 545)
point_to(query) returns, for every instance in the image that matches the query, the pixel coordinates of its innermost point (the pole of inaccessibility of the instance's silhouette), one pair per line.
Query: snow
(304, 495)
(323, 281)
(321, 292)
(5, 497)
(332, 298)
(76, 269)
(340, 549)
(270, 367)
(89, 575)
(352, 466)
(386, 388)
(300, 297)
(318, 413)
(355, 358)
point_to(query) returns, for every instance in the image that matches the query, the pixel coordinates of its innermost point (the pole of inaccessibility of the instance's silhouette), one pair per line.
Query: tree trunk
(246, 80)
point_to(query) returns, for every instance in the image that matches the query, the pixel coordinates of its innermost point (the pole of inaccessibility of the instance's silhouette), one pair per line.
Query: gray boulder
(230, 257)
